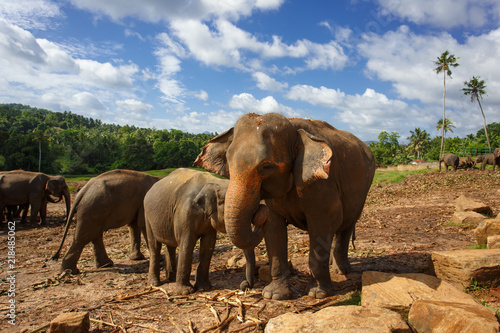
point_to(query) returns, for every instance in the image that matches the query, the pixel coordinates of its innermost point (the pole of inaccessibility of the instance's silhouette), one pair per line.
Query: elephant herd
(277, 171)
(452, 160)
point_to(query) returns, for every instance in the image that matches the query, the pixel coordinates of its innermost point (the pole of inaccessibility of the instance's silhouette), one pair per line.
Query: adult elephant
(34, 188)
(108, 201)
(449, 160)
(310, 174)
(491, 159)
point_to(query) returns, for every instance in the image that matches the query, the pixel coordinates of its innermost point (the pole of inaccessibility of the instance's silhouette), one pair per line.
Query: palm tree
(448, 125)
(418, 141)
(475, 88)
(444, 63)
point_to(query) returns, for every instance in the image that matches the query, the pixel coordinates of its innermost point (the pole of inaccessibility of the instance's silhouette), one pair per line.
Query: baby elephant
(110, 200)
(449, 160)
(179, 209)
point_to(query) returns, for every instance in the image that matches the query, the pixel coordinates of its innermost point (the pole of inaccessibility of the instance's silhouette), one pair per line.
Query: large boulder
(490, 227)
(344, 319)
(446, 317)
(463, 266)
(397, 292)
(472, 219)
(465, 204)
(70, 322)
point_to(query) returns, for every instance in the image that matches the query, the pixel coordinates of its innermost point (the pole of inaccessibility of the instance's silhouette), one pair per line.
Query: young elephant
(491, 159)
(449, 160)
(179, 209)
(108, 201)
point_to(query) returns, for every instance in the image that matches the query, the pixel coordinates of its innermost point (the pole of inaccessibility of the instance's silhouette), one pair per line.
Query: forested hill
(73, 144)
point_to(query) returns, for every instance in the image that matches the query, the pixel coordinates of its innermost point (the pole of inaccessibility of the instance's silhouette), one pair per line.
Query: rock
(344, 319)
(460, 267)
(397, 292)
(237, 260)
(70, 322)
(468, 218)
(490, 227)
(444, 317)
(464, 204)
(494, 242)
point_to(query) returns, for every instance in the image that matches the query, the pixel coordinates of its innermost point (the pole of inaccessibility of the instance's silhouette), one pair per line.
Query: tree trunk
(443, 124)
(484, 122)
(39, 156)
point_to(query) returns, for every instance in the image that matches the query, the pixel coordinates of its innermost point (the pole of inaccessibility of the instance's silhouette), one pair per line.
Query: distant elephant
(108, 201)
(34, 188)
(449, 160)
(490, 159)
(310, 174)
(479, 159)
(179, 209)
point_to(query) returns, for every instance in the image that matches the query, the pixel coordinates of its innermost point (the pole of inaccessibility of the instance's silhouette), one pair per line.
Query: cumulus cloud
(248, 103)
(265, 82)
(443, 13)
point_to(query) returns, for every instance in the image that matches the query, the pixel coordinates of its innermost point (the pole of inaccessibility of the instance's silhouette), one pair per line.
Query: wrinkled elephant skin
(108, 201)
(183, 207)
(32, 188)
(310, 175)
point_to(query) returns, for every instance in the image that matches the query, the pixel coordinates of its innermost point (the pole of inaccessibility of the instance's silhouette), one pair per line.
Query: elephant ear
(206, 199)
(213, 156)
(312, 161)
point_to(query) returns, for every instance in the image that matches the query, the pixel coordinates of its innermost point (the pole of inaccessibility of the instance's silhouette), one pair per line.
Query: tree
(476, 89)
(444, 63)
(448, 125)
(418, 141)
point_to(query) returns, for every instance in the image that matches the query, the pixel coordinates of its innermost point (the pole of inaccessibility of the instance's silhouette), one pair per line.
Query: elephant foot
(203, 286)
(244, 285)
(342, 268)
(136, 256)
(74, 271)
(182, 289)
(277, 289)
(320, 291)
(104, 264)
(154, 281)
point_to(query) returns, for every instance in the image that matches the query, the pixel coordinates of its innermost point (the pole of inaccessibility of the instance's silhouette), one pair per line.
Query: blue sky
(198, 65)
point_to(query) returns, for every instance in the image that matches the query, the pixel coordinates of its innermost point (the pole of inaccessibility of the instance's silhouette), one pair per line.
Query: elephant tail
(72, 212)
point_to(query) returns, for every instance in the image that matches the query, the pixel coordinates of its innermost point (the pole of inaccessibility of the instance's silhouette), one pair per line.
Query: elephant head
(56, 187)
(264, 157)
(211, 200)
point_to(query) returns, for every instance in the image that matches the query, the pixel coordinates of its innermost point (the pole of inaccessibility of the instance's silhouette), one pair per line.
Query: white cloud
(443, 13)
(134, 106)
(265, 82)
(202, 95)
(30, 14)
(325, 97)
(248, 103)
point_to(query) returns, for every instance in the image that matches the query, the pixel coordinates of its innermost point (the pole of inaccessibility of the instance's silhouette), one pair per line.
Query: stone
(468, 218)
(462, 266)
(490, 227)
(345, 319)
(397, 292)
(494, 242)
(70, 322)
(446, 317)
(465, 204)
(237, 261)
(265, 274)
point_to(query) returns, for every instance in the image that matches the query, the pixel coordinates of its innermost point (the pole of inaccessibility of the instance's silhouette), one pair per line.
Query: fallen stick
(218, 328)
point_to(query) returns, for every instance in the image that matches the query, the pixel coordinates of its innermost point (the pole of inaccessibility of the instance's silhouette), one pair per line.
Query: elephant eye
(267, 167)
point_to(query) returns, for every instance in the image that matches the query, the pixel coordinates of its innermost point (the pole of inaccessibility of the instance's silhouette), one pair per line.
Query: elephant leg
(250, 270)
(207, 244)
(171, 263)
(24, 216)
(135, 241)
(184, 263)
(154, 261)
(320, 240)
(100, 255)
(277, 248)
(43, 212)
(35, 208)
(72, 255)
(340, 248)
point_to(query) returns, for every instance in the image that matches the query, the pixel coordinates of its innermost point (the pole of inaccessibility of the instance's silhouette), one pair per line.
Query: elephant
(34, 188)
(491, 159)
(108, 201)
(309, 174)
(479, 159)
(183, 207)
(449, 160)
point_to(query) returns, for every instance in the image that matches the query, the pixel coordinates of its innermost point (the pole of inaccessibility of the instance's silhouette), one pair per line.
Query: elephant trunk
(242, 209)
(67, 201)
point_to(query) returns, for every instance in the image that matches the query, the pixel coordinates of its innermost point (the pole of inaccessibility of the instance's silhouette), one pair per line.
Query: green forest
(70, 144)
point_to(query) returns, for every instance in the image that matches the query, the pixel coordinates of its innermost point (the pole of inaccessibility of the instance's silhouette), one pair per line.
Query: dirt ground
(402, 224)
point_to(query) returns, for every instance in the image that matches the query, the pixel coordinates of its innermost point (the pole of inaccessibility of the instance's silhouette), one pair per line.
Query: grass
(158, 173)
(394, 176)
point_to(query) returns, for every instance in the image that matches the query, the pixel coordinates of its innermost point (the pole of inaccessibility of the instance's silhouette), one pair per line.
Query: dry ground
(402, 224)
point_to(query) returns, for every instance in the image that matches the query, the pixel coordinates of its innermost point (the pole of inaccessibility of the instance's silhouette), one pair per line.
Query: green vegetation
(393, 176)
(67, 143)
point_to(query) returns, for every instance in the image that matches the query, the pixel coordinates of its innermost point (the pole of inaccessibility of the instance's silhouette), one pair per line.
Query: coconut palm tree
(444, 63)
(448, 125)
(419, 139)
(476, 89)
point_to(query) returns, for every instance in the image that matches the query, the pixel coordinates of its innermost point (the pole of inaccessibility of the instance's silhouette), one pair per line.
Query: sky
(364, 66)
